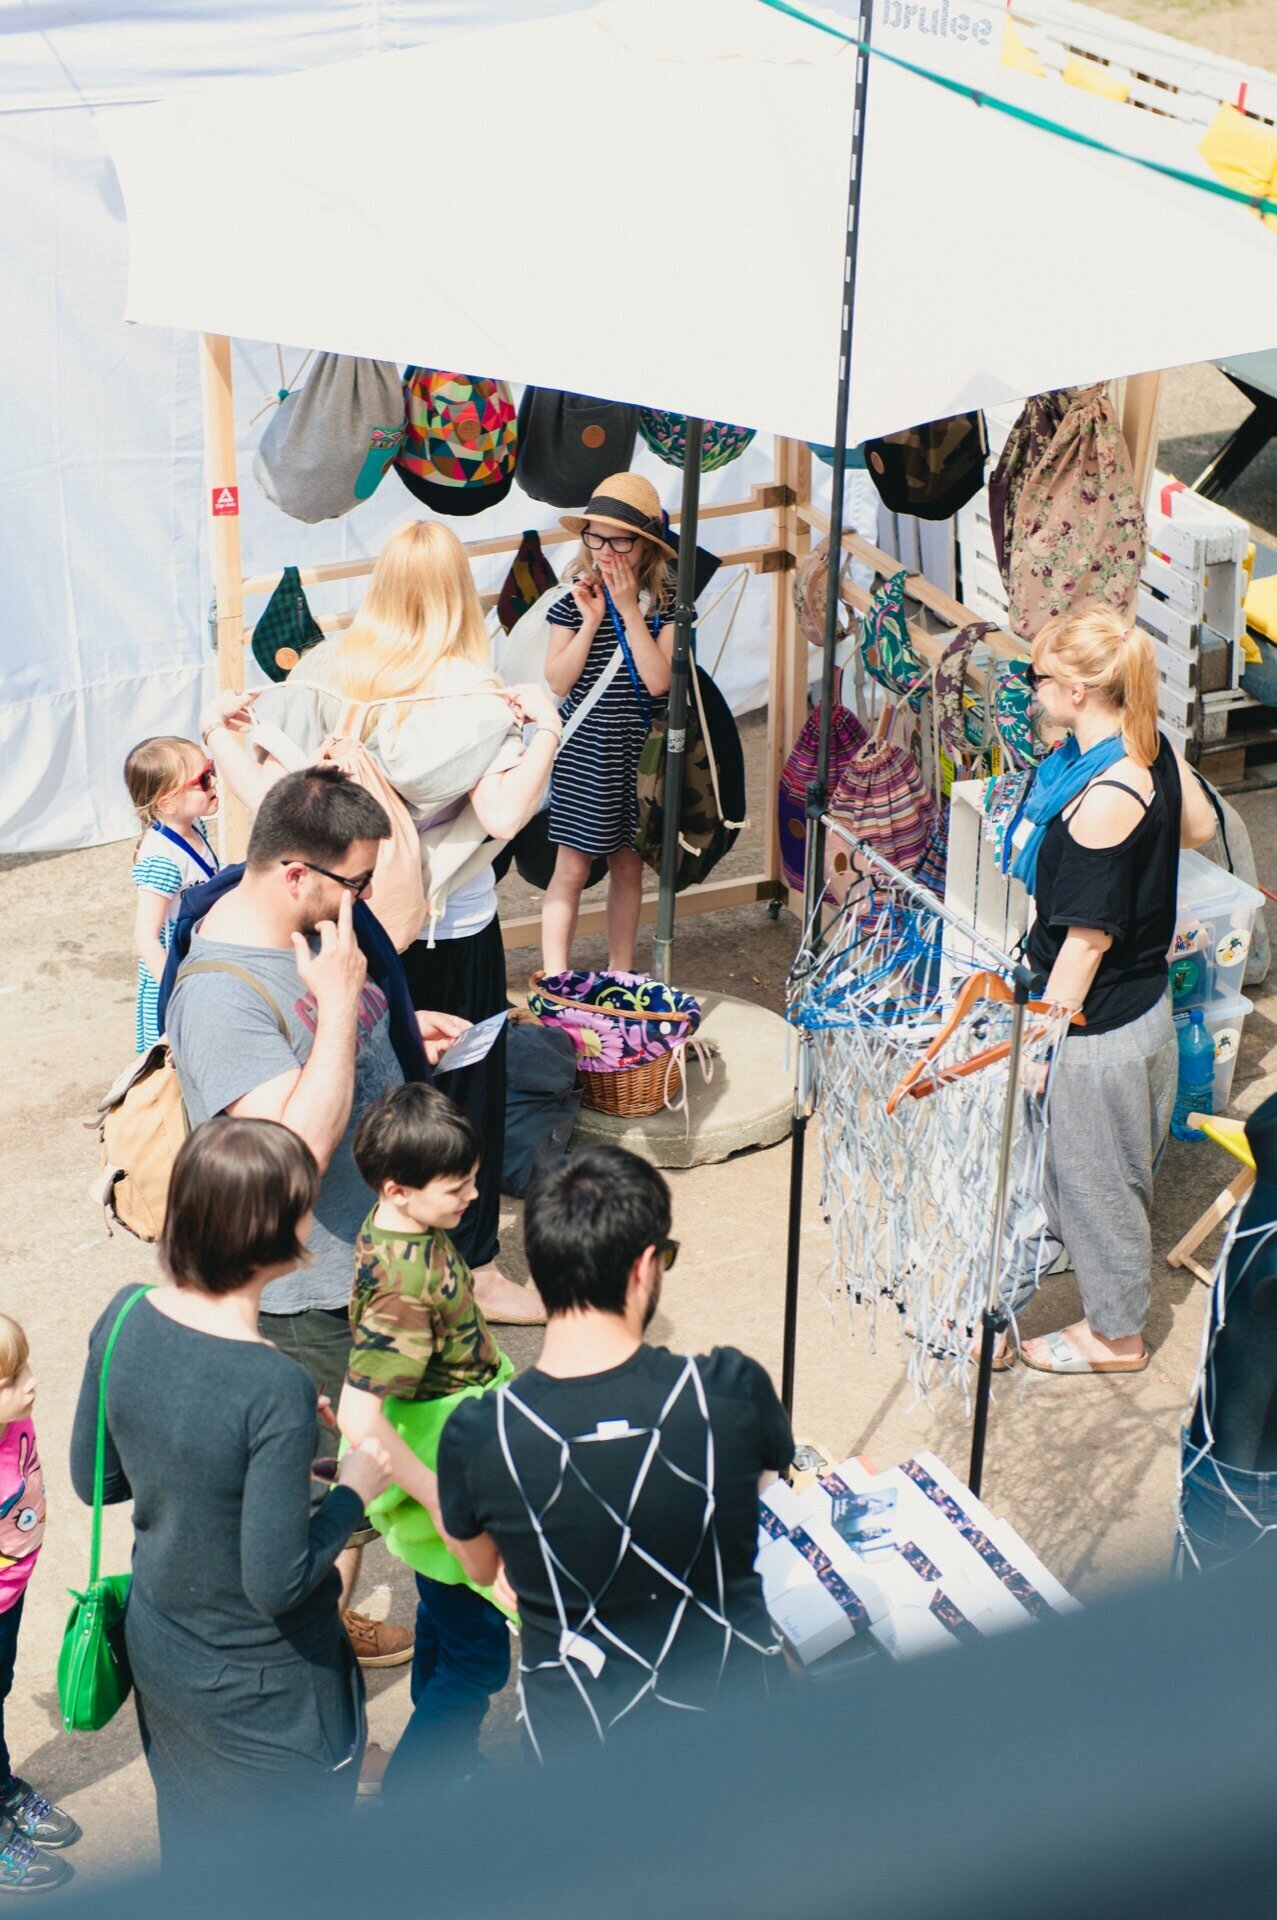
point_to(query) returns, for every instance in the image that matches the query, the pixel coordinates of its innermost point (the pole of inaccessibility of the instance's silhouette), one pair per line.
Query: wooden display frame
(794, 518)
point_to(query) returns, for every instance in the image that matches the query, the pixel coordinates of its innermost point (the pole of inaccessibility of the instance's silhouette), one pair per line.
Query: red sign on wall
(225, 500)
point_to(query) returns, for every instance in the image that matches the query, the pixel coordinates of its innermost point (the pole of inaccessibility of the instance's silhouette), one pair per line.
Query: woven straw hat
(629, 503)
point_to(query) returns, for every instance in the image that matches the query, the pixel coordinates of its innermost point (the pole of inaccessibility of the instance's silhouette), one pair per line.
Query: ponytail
(1115, 661)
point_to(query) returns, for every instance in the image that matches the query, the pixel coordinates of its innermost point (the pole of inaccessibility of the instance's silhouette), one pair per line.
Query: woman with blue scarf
(1097, 845)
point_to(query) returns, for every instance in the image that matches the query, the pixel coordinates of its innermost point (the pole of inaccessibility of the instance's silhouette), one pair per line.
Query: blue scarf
(1060, 778)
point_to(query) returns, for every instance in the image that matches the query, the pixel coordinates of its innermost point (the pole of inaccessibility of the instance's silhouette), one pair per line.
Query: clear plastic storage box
(1215, 911)
(1223, 1020)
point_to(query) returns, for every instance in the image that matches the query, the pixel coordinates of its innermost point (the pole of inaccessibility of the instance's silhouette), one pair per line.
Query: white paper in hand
(473, 1045)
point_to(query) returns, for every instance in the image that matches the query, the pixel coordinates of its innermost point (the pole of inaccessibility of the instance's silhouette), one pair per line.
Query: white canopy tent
(423, 194)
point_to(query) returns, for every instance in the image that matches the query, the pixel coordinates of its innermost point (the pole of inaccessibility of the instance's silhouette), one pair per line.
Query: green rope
(1255, 201)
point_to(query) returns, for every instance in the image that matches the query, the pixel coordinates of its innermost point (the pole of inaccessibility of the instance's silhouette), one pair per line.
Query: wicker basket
(629, 1092)
(633, 1091)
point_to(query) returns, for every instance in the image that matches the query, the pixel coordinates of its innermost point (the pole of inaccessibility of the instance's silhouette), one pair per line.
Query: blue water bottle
(1195, 1090)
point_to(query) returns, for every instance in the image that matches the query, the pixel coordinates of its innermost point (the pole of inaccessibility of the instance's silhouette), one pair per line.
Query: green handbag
(94, 1679)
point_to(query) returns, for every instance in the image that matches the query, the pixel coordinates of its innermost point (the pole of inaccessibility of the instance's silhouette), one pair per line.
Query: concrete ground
(1085, 1468)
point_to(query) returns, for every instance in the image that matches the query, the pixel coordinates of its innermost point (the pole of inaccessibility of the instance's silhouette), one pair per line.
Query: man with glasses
(616, 1482)
(288, 1026)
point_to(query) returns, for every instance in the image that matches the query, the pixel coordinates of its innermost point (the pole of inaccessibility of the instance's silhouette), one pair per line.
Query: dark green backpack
(287, 628)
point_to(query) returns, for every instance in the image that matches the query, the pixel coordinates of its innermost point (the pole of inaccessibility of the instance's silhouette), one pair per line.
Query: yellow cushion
(1229, 1134)
(1109, 82)
(1016, 54)
(1242, 155)
(1260, 606)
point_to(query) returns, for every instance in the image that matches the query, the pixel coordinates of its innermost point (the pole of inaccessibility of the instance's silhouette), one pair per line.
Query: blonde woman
(611, 640)
(1098, 847)
(450, 740)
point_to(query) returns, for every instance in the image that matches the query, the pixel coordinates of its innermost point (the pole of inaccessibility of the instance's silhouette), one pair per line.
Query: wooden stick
(711, 896)
(222, 479)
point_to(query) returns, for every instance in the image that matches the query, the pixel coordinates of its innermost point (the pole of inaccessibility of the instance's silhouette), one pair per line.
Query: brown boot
(376, 1642)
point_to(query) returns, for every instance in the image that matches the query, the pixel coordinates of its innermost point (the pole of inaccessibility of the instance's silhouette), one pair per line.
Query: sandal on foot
(1066, 1359)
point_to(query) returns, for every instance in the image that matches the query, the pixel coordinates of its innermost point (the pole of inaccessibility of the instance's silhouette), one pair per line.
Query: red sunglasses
(204, 779)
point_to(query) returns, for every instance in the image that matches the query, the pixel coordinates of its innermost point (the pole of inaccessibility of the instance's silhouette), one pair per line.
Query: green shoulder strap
(99, 1462)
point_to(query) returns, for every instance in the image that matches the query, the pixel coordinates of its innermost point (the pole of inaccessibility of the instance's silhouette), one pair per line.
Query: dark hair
(237, 1192)
(314, 815)
(415, 1134)
(586, 1221)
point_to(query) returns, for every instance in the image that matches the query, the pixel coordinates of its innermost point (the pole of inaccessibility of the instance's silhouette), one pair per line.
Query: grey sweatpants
(1110, 1110)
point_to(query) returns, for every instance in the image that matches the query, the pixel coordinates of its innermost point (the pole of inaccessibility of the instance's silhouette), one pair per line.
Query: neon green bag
(94, 1679)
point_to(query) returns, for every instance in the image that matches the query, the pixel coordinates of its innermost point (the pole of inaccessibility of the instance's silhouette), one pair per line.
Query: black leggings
(467, 977)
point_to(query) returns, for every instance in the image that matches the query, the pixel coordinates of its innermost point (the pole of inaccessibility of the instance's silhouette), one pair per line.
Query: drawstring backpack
(666, 435)
(883, 799)
(287, 628)
(330, 442)
(1079, 533)
(960, 730)
(1013, 715)
(530, 576)
(460, 440)
(885, 644)
(1035, 428)
(811, 595)
(846, 737)
(569, 444)
(932, 470)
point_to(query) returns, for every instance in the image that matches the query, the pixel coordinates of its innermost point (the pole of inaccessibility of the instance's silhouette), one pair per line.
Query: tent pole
(680, 678)
(817, 792)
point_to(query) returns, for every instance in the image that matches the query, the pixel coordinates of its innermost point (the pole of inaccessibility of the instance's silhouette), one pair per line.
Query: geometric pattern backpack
(846, 737)
(460, 440)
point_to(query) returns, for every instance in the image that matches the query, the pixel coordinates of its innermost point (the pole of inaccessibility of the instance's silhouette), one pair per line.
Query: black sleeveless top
(1127, 890)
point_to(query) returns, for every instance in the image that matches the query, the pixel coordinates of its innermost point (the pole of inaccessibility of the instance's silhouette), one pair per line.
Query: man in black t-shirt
(617, 1482)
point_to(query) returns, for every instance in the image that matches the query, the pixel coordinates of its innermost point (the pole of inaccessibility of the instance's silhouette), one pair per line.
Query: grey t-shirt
(226, 1042)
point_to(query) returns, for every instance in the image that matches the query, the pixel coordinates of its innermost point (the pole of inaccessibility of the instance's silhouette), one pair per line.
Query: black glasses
(619, 542)
(667, 1253)
(1035, 679)
(355, 883)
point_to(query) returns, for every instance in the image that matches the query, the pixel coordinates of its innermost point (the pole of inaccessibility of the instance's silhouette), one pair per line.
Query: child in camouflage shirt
(419, 1346)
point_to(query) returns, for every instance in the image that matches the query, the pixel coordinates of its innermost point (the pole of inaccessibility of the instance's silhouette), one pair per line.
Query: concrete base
(748, 1103)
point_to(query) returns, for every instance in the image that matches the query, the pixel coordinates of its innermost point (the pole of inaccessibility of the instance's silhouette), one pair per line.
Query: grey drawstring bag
(569, 444)
(329, 442)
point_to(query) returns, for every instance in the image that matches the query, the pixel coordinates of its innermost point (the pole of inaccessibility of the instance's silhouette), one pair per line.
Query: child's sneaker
(24, 1868)
(36, 1818)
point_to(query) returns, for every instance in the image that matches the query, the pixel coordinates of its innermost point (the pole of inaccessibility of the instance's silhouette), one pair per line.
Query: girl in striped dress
(608, 661)
(173, 785)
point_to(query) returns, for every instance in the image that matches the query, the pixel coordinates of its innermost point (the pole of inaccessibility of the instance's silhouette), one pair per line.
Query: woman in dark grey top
(245, 1680)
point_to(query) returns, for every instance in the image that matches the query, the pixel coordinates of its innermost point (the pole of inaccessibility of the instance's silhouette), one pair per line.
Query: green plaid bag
(286, 630)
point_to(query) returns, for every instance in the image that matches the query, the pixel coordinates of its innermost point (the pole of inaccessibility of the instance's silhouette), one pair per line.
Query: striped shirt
(594, 785)
(162, 866)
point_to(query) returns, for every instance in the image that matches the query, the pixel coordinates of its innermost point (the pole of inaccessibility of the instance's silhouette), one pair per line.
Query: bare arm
(1076, 965)
(506, 801)
(361, 1417)
(1197, 822)
(479, 1557)
(315, 1100)
(147, 921)
(245, 770)
(569, 647)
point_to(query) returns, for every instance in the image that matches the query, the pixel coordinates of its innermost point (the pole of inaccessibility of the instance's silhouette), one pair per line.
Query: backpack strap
(240, 973)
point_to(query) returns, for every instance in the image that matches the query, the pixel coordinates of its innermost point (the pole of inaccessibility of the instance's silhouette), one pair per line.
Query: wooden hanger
(977, 986)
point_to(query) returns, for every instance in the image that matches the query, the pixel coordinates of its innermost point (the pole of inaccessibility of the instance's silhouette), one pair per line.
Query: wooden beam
(712, 897)
(221, 477)
(760, 498)
(787, 656)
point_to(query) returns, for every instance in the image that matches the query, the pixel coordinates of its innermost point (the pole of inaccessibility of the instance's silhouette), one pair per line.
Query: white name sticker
(574, 1646)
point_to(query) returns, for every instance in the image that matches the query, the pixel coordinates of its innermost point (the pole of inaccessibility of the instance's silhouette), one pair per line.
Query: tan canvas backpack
(142, 1122)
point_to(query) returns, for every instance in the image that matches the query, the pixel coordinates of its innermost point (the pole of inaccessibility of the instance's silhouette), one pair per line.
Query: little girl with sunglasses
(173, 786)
